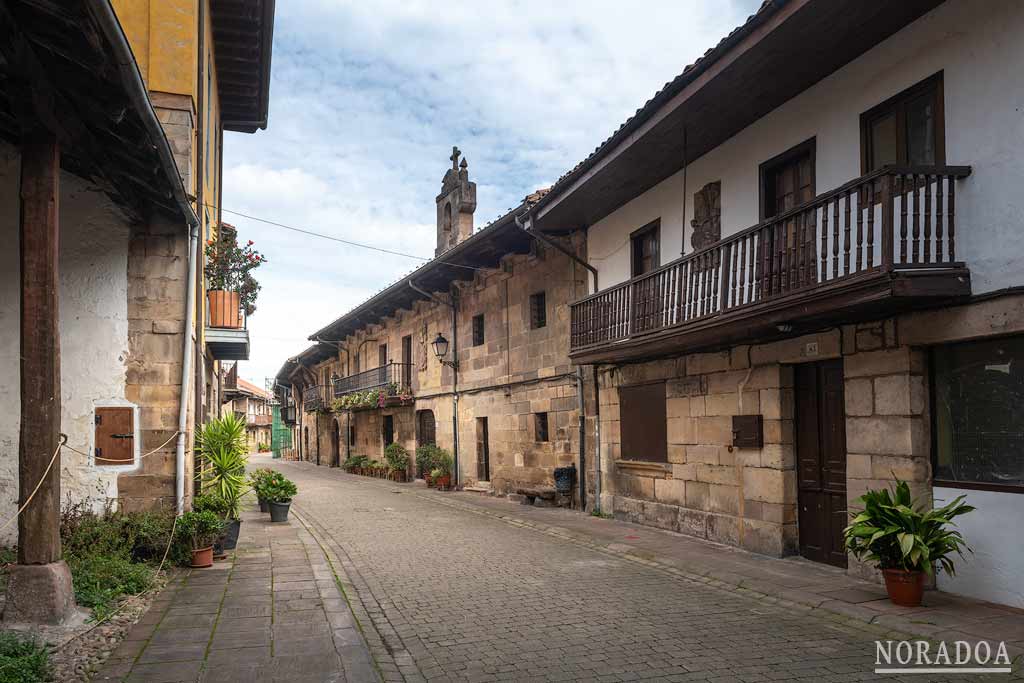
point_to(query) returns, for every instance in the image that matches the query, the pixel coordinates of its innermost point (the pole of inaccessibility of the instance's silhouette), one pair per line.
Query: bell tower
(455, 205)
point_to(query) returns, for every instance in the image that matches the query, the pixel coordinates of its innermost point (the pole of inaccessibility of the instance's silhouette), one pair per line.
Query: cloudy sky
(367, 99)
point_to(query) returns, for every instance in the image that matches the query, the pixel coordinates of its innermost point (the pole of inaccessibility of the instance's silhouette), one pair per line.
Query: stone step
(477, 488)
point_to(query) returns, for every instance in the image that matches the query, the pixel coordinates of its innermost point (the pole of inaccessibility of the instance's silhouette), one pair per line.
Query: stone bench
(539, 497)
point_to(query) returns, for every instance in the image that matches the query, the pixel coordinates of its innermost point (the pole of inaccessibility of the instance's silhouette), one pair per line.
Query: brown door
(388, 432)
(821, 460)
(483, 454)
(425, 433)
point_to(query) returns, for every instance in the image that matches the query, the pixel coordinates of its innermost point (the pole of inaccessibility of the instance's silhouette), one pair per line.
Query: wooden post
(39, 524)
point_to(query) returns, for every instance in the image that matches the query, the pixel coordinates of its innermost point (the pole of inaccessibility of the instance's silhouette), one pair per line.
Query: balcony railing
(896, 218)
(398, 374)
(260, 420)
(315, 397)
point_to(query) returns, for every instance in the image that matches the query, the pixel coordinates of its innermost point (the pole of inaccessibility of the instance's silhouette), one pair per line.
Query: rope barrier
(145, 455)
(53, 458)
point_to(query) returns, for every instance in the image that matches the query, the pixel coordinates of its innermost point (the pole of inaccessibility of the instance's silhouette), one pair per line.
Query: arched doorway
(425, 431)
(336, 444)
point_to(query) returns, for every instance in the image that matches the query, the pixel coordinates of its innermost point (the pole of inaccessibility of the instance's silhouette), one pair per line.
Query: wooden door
(336, 444)
(483, 453)
(407, 361)
(382, 363)
(388, 431)
(426, 433)
(821, 461)
(788, 181)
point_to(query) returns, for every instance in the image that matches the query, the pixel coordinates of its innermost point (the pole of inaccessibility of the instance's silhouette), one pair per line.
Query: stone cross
(455, 158)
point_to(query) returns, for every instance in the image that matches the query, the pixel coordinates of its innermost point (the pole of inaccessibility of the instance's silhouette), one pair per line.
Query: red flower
(250, 243)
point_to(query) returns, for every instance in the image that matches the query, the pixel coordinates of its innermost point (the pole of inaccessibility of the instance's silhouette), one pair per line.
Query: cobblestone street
(445, 594)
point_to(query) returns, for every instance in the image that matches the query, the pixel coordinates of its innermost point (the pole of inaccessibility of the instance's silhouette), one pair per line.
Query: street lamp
(440, 345)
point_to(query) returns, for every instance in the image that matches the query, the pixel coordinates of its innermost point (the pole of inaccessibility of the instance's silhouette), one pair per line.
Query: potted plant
(425, 456)
(256, 481)
(280, 490)
(221, 445)
(231, 287)
(442, 472)
(198, 530)
(398, 461)
(905, 540)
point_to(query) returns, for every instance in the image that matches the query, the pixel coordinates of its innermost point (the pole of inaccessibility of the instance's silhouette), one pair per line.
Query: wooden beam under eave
(39, 524)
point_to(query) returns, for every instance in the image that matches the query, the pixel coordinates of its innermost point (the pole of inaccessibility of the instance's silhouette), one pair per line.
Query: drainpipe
(455, 370)
(521, 224)
(583, 439)
(597, 443)
(186, 372)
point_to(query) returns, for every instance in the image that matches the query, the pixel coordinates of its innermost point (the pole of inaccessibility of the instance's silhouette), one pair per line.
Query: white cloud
(368, 98)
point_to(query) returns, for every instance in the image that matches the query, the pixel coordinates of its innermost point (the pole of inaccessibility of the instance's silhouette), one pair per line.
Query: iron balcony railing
(315, 397)
(892, 218)
(399, 375)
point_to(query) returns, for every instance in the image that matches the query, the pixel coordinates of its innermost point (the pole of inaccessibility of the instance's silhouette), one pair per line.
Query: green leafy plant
(896, 532)
(436, 473)
(354, 461)
(443, 462)
(215, 504)
(279, 489)
(199, 529)
(229, 266)
(221, 444)
(258, 477)
(397, 457)
(426, 457)
(23, 659)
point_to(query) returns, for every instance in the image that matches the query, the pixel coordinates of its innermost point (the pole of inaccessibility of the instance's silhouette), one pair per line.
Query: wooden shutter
(643, 422)
(115, 436)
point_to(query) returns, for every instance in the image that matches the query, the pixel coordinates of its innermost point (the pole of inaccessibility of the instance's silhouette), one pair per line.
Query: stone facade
(748, 497)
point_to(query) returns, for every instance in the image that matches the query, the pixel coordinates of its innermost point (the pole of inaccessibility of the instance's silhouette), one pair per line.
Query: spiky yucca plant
(221, 444)
(896, 532)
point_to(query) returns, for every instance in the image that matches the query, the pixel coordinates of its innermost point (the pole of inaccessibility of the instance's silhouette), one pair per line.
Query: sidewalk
(943, 616)
(273, 611)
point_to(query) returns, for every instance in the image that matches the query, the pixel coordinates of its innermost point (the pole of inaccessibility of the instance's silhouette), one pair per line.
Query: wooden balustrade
(893, 218)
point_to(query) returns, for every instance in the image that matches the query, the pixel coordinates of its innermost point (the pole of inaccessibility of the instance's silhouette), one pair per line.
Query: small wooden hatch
(115, 436)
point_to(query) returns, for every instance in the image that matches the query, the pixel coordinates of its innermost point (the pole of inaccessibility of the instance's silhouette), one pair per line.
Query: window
(978, 436)
(644, 245)
(907, 129)
(540, 421)
(643, 422)
(478, 329)
(114, 437)
(538, 311)
(787, 180)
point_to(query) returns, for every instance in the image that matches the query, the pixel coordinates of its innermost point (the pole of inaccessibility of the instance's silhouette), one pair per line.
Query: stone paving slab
(462, 587)
(267, 614)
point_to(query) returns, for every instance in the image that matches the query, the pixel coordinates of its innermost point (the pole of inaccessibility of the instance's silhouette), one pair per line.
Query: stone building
(252, 404)
(811, 282)
(505, 399)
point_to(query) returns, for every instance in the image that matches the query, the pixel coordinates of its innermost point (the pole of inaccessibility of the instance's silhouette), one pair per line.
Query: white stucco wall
(994, 571)
(93, 330)
(980, 53)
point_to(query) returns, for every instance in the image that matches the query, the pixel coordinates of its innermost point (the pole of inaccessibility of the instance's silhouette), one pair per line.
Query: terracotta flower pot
(445, 482)
(904, 588)
(202, 558)
(225, 308)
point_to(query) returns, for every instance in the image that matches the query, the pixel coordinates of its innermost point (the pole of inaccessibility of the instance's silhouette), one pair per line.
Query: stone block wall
(157, 284)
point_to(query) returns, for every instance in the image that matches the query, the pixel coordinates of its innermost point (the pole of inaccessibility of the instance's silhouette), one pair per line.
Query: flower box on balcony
(225, 309)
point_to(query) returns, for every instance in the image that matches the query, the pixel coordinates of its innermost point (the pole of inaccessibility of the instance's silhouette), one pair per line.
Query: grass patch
(23, 659)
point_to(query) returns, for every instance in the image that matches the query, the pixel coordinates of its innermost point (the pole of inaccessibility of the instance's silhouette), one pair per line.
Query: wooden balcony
(879, 244)
(259, 420)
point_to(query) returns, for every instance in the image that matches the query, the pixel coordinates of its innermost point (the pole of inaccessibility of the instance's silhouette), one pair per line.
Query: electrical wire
(350, 243)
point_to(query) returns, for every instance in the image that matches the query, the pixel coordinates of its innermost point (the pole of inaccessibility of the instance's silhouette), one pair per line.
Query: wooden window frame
(479, 336)
(810, 147)
(933, 435)
(897, 102)
(652, 228)
(661, 455)
(538, 314)
(541, 427)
